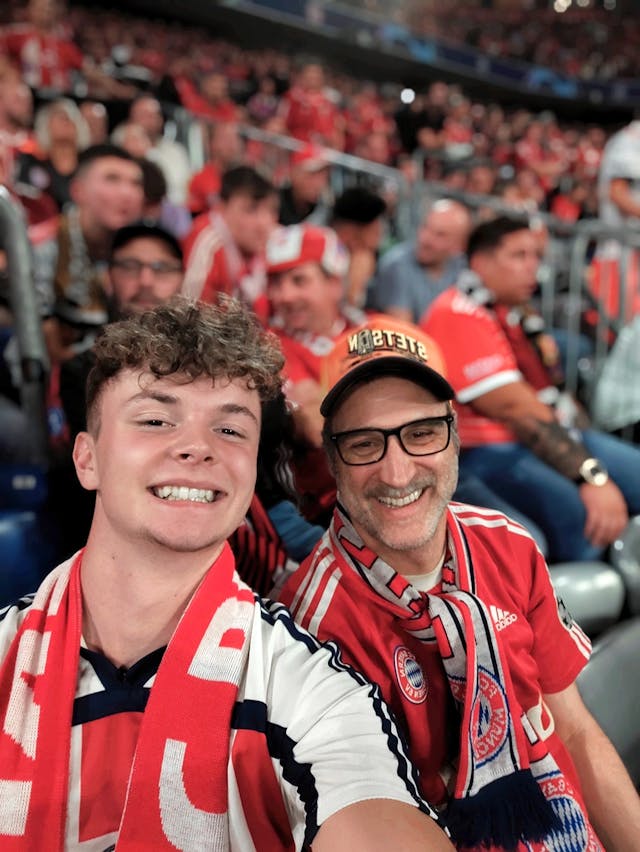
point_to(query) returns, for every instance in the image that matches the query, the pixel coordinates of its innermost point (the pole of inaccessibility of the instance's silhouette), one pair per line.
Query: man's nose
(397, 466)
(194, 443)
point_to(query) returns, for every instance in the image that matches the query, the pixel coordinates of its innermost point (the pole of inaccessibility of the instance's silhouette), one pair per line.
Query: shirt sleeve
(478, 358)
(338, 726)
(561, 649)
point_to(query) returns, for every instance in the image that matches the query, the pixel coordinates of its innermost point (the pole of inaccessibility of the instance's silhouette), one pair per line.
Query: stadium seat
(593, 592)
(610, 687)
(625, 558)
(23, 560)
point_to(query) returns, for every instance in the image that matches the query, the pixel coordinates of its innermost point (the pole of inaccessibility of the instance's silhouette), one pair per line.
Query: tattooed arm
(534, 424)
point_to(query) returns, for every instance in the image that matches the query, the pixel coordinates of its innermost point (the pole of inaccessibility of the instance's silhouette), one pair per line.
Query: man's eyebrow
(156, 396)
(235, 408)
(171, 399)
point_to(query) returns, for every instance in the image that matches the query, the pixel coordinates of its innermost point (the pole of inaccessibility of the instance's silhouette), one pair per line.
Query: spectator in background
(303, 196)
(47, 57)
(97, 119)
(133, 138)
(616, 397)
(157, 207)
(16, 114)
(70, 269)
(413, 273)
(61, 134)
(225, 151)
(225, 249)
(481, 179)
(421, 122)
(41, 49)
(358, 218)
(309, 113)
(171, 156)
(306, 267)
(618, 204)
(211, 100)
(530, 443)
(264, 103)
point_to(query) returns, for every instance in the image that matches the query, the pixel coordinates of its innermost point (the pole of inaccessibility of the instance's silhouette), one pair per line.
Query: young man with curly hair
(148, 699)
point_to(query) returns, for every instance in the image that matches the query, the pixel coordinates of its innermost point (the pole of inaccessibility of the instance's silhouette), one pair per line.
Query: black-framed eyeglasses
(423, 437)
(132, 266)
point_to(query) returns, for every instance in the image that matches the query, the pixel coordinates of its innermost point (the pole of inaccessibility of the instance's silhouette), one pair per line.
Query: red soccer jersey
(45, 59)
(214, 265)
(310, 116)
(479, 359)
(204, 187)
(303, 360)
(542, 647)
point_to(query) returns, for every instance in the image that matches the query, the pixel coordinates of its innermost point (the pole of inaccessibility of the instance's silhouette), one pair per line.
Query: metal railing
(27, 324)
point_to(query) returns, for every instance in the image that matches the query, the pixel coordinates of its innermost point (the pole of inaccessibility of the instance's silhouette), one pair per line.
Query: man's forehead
(142, 381)
(142, 243)
(404, 391)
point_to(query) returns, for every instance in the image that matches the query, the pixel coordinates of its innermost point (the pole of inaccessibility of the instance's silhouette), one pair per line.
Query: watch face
(593, 472)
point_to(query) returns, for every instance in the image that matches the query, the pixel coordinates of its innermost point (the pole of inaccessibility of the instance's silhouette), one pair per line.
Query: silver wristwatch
(592, 472)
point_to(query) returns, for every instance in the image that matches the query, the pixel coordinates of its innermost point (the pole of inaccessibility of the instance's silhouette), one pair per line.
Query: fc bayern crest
(489, 718)
(410, 676)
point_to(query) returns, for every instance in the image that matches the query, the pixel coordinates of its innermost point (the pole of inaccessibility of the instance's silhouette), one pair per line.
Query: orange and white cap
(383, 346)
(298, 244)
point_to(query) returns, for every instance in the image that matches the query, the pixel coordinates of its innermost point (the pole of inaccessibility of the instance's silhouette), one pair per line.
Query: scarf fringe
(505, 812)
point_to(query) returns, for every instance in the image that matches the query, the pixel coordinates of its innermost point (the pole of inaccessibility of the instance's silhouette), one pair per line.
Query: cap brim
(405, 368)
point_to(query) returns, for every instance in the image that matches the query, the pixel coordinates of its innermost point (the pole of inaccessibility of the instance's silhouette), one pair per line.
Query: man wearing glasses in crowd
(450, 608)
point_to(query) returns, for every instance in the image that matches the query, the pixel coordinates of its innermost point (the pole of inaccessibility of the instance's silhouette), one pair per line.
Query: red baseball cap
(310, 158)
(298, 244)
(383, 346)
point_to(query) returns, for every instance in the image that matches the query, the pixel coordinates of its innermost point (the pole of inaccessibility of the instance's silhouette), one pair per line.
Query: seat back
(610, 687)
(624, 555)
(593, 592)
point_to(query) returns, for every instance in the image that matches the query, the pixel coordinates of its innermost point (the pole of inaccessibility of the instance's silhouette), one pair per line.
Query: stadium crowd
(369, 425)
(585, 41)
(94, 158)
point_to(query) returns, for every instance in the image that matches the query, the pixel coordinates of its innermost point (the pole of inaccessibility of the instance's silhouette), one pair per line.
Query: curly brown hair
(188, 339)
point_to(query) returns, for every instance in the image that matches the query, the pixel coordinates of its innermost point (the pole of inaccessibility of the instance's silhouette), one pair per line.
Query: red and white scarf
(496, 801)
(177, 794)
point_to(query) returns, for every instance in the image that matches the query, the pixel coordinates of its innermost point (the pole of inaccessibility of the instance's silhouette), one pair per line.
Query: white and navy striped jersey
(309, 736)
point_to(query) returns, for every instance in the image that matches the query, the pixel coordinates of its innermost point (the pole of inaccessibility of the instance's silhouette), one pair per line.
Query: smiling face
(397, 504)
(305, 299)
(172, 461)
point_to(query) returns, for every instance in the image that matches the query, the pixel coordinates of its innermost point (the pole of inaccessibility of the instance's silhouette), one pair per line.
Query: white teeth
(175, 492)
(397, 502)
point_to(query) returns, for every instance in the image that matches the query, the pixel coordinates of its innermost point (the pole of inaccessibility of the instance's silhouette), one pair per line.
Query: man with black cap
(451, 610)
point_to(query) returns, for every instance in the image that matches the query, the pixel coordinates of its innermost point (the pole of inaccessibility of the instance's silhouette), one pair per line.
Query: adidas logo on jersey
(501, 617)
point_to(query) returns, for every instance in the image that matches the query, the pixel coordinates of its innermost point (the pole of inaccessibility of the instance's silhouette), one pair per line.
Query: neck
(96, 236)
(434, 269)
(133, 596)
(420, 560)
(64, 155)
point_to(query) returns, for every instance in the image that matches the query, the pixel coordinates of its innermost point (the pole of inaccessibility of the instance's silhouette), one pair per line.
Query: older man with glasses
(450, 609)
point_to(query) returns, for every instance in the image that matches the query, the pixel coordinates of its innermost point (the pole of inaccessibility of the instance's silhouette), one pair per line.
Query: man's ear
(84, 458)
